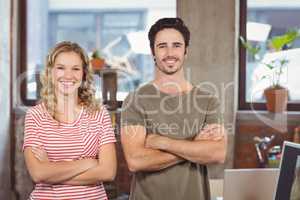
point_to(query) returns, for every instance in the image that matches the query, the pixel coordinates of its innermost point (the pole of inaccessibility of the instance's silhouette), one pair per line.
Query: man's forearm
(198, 151)
(141, 158)
(152, 160)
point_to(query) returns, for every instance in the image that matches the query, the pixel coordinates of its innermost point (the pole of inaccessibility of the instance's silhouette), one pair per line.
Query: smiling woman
(68, 74)
(68, 132)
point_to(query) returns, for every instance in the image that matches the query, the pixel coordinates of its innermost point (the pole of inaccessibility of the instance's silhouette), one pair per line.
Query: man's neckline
(182, 93)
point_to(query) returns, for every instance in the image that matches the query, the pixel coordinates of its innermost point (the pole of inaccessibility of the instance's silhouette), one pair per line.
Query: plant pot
(97, 63)
(277, 99)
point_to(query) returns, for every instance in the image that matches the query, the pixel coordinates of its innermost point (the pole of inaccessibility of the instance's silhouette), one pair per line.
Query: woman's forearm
(58, 172)
(93, 176)
(55, 172)
(104, 171)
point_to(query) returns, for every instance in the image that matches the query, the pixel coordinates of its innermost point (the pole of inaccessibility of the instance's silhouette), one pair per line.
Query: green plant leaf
(270, 66)
(253, 50)
(283, 62)
(275, 43)
(263, 77)
(96, 54)
(278, 42)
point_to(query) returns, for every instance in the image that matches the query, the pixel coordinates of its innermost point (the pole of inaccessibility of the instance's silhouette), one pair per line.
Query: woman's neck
(67, 109)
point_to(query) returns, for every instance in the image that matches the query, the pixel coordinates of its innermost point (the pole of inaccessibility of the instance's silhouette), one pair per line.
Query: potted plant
(97, 61)
(276, 95)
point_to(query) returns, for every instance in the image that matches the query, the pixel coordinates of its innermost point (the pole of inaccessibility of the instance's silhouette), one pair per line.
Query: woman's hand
(40, 154)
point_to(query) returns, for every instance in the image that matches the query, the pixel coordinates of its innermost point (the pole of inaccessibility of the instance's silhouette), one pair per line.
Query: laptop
(250, 184)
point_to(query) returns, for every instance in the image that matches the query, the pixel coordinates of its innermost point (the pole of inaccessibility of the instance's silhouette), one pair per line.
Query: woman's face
(67, 74)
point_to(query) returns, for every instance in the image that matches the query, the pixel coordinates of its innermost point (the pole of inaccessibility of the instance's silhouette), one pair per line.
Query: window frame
(99, 14)
(23, 54)
(242, 103)
(22, 69)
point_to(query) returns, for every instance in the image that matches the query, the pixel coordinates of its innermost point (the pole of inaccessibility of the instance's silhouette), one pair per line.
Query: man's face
(169, 51)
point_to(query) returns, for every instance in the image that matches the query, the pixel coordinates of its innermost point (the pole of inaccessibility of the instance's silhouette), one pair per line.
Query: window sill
(286, 118)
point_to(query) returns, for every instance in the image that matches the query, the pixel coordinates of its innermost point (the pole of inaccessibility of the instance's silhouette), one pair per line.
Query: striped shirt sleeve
(107, 131)
(31, 137)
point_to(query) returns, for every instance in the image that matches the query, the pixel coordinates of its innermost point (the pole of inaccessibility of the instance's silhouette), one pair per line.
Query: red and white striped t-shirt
(67, 142)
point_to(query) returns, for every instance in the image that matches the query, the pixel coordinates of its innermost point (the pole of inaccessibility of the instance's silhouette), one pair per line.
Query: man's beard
(165, 71)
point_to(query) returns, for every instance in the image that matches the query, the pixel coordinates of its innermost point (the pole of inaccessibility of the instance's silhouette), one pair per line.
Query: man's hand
(213, 132)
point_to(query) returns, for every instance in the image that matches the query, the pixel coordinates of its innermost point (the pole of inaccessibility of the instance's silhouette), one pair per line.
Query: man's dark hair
(175, 23)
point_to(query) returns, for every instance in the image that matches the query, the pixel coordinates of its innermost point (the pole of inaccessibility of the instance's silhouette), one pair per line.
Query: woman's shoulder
(97, 115)
(37, 110)
(37, 114)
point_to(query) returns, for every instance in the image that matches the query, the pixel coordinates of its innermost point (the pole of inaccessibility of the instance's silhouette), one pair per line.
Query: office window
(260, 21)
(118, 31)
(5, 50)
(4, 36)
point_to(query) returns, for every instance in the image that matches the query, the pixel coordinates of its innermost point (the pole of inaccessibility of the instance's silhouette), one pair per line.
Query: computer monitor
(288, 186)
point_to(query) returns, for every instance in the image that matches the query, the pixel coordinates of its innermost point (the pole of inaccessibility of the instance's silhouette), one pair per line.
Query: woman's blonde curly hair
(86, 92)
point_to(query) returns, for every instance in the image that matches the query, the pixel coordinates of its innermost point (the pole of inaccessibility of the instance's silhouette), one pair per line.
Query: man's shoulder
(139, 96)
(145, 89)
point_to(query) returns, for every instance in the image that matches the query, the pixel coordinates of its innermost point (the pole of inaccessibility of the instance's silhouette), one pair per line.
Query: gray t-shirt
(174, 116)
